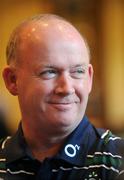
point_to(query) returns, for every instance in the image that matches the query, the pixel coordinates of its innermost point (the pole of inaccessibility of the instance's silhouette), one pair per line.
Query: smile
(62, 106)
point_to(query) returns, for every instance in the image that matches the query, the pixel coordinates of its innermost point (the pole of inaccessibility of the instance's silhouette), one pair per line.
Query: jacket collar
(74, 150)
(16, 147)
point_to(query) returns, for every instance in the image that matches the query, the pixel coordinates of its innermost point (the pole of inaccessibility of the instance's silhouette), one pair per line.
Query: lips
(63, 101)
(62, 105)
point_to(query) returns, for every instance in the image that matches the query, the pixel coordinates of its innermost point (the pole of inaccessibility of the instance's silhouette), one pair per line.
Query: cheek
(44, 87)
(41, 90)
(82, 88)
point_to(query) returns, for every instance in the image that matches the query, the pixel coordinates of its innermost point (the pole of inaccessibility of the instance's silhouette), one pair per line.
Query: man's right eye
(48, 74)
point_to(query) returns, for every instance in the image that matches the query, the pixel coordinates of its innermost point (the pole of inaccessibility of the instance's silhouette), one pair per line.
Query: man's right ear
(10, 79)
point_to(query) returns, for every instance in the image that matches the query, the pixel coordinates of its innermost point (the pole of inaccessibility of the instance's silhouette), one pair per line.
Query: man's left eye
(78, 73)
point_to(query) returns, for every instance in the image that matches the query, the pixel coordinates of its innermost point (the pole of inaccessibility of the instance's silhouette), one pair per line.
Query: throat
(43, 145)
(43, 153)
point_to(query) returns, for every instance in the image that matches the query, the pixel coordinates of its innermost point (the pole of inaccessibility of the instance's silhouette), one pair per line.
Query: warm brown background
(102, 23)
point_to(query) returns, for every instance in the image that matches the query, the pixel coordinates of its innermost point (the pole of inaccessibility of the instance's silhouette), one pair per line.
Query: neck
(43, 145)
(46, 152)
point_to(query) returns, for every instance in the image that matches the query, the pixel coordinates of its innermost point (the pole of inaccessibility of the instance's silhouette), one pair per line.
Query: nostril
(62, 89)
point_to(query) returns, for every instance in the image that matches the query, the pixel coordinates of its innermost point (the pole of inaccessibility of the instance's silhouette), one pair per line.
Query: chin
(67, 122)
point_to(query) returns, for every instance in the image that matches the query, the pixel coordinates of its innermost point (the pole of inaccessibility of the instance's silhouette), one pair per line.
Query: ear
(90, 74)
(10, 79)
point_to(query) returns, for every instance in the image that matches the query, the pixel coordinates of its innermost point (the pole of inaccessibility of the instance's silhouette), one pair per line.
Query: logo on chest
(71, 150)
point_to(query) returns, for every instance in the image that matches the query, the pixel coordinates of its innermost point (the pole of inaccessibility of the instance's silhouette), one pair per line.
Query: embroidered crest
(93, 176)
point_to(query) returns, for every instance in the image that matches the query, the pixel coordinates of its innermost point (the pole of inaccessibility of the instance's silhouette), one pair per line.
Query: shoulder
(99, 139)
(111, 141)
(3, 141)
(3, 155)
(105, 140)
(108, 151)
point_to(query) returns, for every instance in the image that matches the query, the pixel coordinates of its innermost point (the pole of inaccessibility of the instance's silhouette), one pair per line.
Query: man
(49, 70)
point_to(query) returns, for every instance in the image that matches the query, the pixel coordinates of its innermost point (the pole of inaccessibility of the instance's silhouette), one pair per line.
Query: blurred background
(102, 24)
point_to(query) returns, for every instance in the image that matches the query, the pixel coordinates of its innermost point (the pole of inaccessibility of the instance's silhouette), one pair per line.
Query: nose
(64, 85)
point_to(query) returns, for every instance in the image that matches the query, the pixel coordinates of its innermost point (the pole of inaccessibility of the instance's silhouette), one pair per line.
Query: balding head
(43, 28)
(52, 77)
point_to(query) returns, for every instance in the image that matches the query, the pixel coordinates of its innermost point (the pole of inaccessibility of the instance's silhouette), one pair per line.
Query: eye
(78, 73)
(48, 74)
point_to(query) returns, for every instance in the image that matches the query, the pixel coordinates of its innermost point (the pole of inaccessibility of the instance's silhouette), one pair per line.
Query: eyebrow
(79, 65)
(50, 66)
(55, 66)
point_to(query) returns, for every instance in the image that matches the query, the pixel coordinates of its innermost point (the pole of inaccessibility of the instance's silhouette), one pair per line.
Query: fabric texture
(88, 153)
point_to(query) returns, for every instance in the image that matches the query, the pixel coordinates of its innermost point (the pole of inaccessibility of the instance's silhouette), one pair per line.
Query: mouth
(62, 106)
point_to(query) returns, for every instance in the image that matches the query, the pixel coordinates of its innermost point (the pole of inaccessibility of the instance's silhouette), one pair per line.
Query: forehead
(47, 41)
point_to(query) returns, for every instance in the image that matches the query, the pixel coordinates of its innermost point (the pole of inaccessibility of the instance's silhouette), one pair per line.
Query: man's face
(53, 82)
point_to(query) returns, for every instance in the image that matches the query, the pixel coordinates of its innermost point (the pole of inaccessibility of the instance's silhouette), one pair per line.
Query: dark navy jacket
(88, 154)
